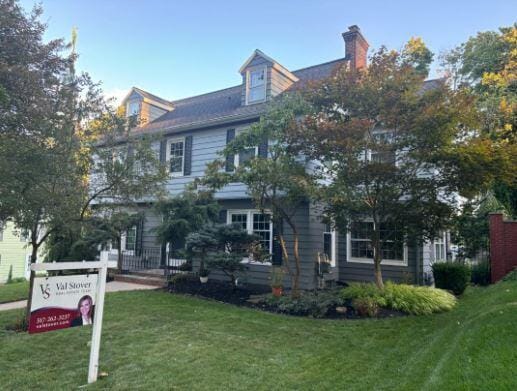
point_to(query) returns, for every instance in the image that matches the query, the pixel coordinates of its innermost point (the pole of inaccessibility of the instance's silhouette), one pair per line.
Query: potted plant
(203, 275)
(277, 281)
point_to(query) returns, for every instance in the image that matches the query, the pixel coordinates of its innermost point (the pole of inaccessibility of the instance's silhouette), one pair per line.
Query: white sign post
(102, 266)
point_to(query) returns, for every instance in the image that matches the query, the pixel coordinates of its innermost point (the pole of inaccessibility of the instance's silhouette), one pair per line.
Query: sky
(177, 49)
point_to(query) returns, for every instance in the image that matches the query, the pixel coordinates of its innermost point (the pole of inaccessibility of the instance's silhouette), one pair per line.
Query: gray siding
(278, 82)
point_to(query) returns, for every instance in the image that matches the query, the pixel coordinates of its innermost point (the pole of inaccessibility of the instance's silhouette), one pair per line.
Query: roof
(226, 105)
(149, 96)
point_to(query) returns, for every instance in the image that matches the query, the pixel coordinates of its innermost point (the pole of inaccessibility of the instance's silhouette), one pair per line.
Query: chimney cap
(354, 28)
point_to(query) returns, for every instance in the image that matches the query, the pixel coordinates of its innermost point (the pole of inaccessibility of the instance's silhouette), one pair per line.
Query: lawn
(155, 340)
(14, 291)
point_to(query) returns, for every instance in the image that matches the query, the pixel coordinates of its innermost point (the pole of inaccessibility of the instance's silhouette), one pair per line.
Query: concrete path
(113, 286)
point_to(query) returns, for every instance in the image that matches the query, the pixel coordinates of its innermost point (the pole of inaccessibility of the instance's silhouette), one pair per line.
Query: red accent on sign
(51, 318)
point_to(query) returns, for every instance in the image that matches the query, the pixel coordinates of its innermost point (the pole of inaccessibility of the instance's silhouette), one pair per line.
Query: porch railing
(146, 259)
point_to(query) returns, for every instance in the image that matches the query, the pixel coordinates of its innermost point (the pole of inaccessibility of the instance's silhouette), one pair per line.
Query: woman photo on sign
(85, 309)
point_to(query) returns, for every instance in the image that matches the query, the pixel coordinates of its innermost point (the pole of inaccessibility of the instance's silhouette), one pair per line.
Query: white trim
(248, 82)
(389, 262)
(249, 228)
(168, 156)
(333, 244)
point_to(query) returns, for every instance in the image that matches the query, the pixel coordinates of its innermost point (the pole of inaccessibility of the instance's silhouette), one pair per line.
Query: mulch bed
(253, 297)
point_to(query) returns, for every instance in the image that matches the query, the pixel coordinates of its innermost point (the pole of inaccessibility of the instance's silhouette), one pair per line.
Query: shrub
(361, 290)
(366, 298)
(512, 276)
(316, 304)
(417, 300)
(366, 306)
(453, 276)
(480, 273)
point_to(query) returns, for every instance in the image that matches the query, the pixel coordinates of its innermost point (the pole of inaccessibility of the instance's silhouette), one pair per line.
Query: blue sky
(177, 49)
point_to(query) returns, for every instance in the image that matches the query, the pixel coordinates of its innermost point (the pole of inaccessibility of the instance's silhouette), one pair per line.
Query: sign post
(54, 317)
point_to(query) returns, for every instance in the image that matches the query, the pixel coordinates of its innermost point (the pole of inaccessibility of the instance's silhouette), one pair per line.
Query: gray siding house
(194, 130)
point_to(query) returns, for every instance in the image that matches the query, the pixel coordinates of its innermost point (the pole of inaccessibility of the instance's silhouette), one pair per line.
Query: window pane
(257, 78)
(256, 93)
(262, 228)
(176, 156)
(246, 155)
(131, 239)
(327, 245)
(240, 219)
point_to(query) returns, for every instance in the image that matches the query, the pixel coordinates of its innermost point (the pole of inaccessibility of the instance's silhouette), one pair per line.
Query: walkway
(113, 286)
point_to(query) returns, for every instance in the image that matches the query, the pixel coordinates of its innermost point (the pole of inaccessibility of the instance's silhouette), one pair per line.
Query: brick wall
(503, 246)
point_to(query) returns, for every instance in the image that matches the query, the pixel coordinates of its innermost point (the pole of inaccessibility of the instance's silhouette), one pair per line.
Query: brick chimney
(356, 47)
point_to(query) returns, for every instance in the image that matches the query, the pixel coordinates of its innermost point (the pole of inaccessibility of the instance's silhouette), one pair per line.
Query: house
(192, 132)
(14, 253)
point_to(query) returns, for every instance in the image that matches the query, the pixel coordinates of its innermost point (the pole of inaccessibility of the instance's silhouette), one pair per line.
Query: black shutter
(222, 216)
(230, 159)
(187, 164)
(139, 236)
(277, 256)
(262, 149)
(163, 150)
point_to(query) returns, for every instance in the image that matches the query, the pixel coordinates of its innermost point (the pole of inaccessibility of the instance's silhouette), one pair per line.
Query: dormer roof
(149, 98)
(274, 64)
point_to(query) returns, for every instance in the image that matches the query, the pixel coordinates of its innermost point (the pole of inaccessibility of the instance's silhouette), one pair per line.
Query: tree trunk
(377, 262)
(295, 288)
(34, 256)
(119, 255)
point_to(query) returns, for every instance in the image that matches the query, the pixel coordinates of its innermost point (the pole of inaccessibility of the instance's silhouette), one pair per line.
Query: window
(254, 222)
(175, 156)
(256, 85)
(245, 155)
(439, 248)
(130, 244)
(133, 108)
(393, 251)
(384, 154)
(329, 244)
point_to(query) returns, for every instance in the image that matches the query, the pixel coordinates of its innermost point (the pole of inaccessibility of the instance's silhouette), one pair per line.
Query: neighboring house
(195, 129)
(14, 253)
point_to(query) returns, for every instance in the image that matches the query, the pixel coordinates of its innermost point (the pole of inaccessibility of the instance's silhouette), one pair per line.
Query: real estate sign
(62, 301)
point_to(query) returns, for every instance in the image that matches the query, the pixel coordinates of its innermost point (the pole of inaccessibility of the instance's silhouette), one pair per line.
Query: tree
(56, 132)
(281, 183)
(223, 247)
(186, 213)
(487, 64)
(383, 140)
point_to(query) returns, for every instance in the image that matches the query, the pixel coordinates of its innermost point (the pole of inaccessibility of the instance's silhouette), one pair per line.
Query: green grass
(155, 340)
(13, 292)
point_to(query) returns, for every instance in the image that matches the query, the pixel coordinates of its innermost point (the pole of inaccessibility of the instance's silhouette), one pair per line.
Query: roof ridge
(205, 93)
(318, 65)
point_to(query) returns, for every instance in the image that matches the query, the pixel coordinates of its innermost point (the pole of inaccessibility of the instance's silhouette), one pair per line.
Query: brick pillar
(496, 246)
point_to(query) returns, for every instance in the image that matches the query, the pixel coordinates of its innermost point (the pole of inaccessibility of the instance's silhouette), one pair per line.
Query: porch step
(153, 273)
(144, 280)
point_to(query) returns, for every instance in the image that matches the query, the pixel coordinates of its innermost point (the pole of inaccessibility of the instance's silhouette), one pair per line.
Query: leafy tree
(487, 64)
(384, 140)
(184, 214)
(223, 247)
(282, 183)
(57, 132)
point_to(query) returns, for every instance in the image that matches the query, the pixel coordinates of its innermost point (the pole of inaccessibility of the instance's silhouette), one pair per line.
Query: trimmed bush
(480, 273)
(416, 300)
(316, 304)
(452, 276)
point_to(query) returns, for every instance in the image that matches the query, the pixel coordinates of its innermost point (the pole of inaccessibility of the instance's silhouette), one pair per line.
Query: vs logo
(45, 290)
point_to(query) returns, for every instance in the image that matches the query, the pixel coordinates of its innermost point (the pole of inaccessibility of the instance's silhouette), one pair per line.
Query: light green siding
(13, 253)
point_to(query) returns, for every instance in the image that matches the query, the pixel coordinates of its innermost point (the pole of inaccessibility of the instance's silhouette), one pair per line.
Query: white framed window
(133, 108)
(245, 155)
(256, 85)
(129, 240)
(386, 155)
(254, 222)
(439, 248)
(360, 250)
(329, 244)
(175, 156)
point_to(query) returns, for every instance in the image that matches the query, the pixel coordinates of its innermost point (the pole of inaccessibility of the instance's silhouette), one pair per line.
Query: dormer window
(256, 85)
(133, 108)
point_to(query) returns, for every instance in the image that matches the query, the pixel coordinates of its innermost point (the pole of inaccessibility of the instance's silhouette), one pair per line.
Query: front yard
(155, 340)
(14, 291)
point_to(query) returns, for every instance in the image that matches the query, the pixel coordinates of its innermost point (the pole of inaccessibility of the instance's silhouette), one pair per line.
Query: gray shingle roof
(225, 104)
